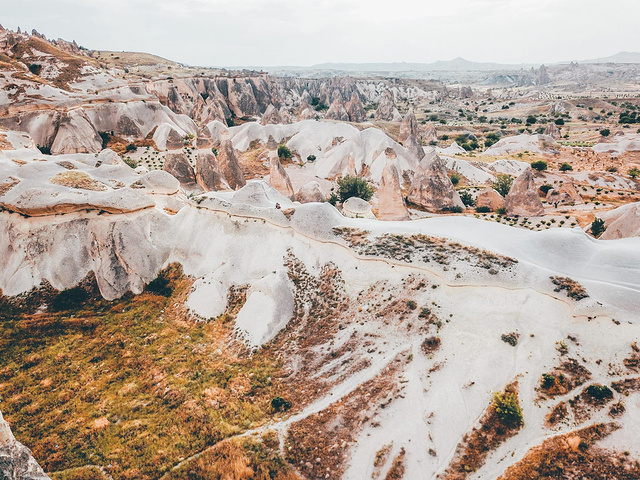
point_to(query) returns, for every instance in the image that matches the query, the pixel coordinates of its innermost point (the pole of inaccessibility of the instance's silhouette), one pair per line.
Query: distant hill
(622, 57)
(457, 64)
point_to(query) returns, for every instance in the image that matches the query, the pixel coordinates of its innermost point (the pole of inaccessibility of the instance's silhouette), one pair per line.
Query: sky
(307, 32)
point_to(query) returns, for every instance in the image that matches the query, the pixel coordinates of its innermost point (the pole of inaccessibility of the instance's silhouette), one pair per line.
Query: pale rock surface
(352, 170)
(430, 134)
(76, 134)
(523, 197)
(622, 222)
(356, 207)
(553, 131)
(433, 189)
(268, 309)
(490, 198)
(160, 182)
(543, 144)
(310, 192)
(391, 204)
(208, 174)
(109, 157)
(337, 110)
(453, 149)
(178, 165)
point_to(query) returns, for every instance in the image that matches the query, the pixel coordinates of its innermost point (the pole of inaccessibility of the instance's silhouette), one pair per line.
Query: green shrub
(548, 381)
(453, 209)
(160, 286)
(539, 165)
(354, 187)
(605, 132)
(501, 211)
(311, 158)
(503, 183)
(483, 209)
(565, 167)
(508, 410)
(284, 152)
(333, 199)
(467, 198)
(280, 404)
(559, 121)
(634, 172)
(69, 299)
(599, 392)
(131, 148)
(455, 178)
(130, 161)
(597, 227)
(545, 188)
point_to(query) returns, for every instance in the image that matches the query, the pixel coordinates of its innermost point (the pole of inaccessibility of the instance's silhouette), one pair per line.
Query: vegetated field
(133, 385)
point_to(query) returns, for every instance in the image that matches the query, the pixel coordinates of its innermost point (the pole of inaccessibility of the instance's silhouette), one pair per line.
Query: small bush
(605, 132)
(510, 338)
(160, 286)
(284, 152)
(467, 199)
(503, 183)
(455, 178)
(131, 147)
(545, 188)
(599, 392)
(566, 167)
(130, 161)
(311, 158)
(539, 165)
(354, 187)
(279, 404)
(69, 299)
(634, 172)
(559, 121)
(508, 410)
(597, 227)
(483, 209)
(453, 209)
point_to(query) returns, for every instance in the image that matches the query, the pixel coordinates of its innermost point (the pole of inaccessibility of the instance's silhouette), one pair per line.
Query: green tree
(559, 121)
(508, 410)
(539, 165)
(597, 227)
(633, 172)
(467, 198)
(455, 178)
(354, 187)
(503, 183)
(284, 152)
(605, 132)
(565, 167)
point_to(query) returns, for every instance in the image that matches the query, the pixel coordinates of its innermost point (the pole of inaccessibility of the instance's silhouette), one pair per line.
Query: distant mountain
(622, 57)
(457, 65)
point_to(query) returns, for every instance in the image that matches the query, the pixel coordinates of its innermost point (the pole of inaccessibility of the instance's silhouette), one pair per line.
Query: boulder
(433, 190)
(208, 174)
(229, 165)
(523, 197)
(387, 110)
(356, 207)
(490, 198)
(391, 205)
(108, 157)
(565, 195)
(622, 222)
(178, 165)
(16, 460)
(310, 192)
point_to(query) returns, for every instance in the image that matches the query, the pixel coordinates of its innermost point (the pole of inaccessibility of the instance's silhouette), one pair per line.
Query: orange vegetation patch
(476, 445)
(569, 375)
(574, 456)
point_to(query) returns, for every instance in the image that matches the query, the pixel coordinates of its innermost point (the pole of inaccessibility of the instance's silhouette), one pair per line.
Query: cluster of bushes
(629, 117)
(491, 138)
(503, 183)
(539, 165)
(351, 187)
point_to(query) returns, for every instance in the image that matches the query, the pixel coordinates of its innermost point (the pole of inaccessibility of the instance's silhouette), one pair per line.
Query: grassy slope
(133, 385)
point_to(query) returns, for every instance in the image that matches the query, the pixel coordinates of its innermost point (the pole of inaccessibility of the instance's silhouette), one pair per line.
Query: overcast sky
(307, 32)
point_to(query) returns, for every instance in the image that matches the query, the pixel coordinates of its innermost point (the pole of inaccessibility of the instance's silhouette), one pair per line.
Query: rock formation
(16, 461)
(178, 165)
(337, 111)
(208, 174)
(433, 189)
(390, 202)
(271, 116)
(355, 109)
(229, 165)
(387, 110)
(408, 127)
(523, 197)
(430, 134)
(622, 222)
(352, 171)
(76, 134)
(278, 177)
(553, 131)
(565, 195)
(310, 192)
(490, 198)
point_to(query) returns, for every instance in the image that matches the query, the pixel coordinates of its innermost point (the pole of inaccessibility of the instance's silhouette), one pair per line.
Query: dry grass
(131, 385)
(79, 180)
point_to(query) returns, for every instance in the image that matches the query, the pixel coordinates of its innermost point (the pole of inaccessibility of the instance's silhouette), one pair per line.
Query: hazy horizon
(236, 33)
